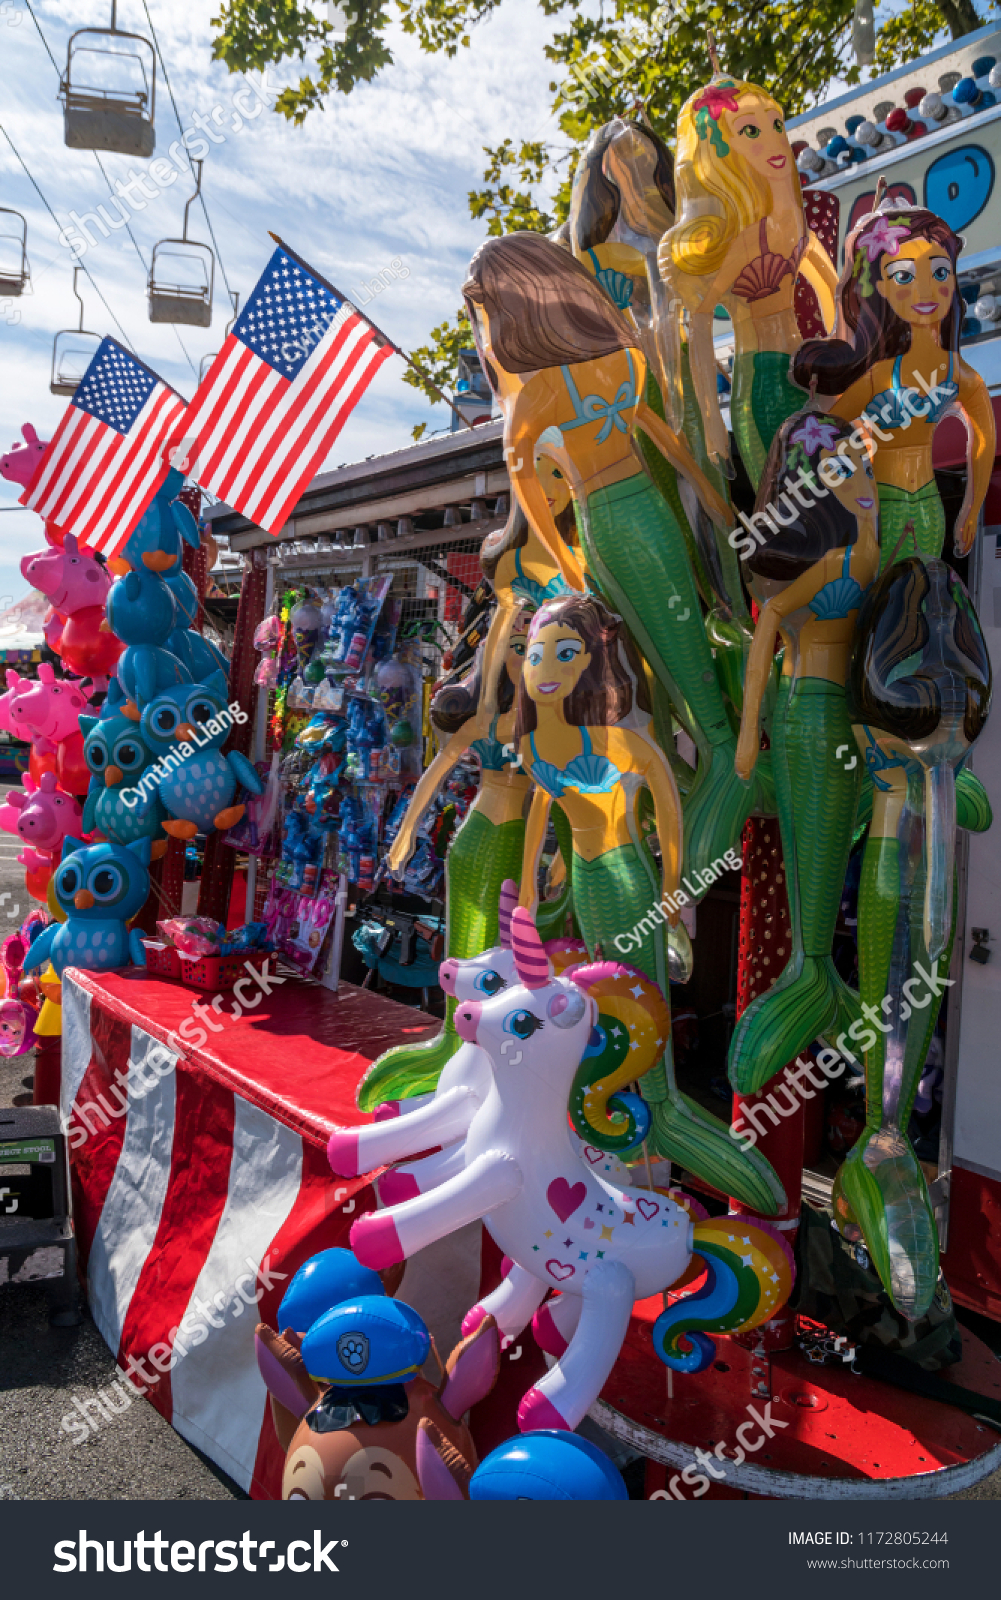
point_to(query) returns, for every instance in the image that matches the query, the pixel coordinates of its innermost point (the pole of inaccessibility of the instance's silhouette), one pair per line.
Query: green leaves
(440, 360)
(507, 209)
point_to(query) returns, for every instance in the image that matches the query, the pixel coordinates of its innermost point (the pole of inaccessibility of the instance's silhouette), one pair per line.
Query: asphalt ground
(135, 1455)
(43, 1370)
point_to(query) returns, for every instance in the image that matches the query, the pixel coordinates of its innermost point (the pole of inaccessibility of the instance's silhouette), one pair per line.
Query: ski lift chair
(206, 362)
(15, 275)
(108, 91)
(72, 352)
(189, 302)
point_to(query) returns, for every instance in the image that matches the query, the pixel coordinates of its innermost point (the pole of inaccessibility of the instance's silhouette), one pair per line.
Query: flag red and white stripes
(109, 454)
(288, 376)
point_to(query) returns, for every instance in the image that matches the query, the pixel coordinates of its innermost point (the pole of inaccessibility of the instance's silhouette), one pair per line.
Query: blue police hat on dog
(366, 1341)
(547, 1465)
(321, 1283)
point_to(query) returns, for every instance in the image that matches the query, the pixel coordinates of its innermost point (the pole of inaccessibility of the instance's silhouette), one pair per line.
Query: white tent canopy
(21, 623)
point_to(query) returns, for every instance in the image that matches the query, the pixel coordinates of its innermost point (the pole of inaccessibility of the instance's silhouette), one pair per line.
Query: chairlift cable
(177, 118)
(59, 225)
(97, 158)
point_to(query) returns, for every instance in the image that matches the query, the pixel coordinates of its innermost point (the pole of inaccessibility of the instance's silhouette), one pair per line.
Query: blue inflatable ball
(323, 1282)
(547, 1465)
(367, 1341)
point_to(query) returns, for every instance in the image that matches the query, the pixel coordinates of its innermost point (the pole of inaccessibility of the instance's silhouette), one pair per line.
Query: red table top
(299, 1055)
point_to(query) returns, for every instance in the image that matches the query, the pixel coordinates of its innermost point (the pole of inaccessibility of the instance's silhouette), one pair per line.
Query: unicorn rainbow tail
(749, 1275)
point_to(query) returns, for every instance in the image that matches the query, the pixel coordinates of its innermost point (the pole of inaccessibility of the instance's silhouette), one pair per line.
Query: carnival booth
(589, 824)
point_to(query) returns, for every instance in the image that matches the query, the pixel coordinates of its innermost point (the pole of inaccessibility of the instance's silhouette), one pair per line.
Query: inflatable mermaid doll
(808, 569)
(896, 358)
(740, 241)
(919, 690)
(485, 850)
(621, 205)
(566, 366)
(584, 743)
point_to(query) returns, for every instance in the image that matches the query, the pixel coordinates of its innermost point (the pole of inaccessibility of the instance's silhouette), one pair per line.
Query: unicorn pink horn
(505, 906)
(530, 959)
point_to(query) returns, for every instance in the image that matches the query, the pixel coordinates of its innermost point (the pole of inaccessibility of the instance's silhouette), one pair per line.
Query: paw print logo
(352, 1352)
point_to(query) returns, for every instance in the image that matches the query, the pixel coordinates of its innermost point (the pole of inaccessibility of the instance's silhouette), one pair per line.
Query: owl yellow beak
(186, 733)
(84, 900)
(113, 775)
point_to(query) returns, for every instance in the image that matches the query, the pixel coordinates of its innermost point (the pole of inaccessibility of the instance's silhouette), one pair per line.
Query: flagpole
(426, 378)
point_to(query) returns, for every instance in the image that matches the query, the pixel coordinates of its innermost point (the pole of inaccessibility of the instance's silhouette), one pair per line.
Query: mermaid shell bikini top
(839, 597)
(764, 275)
(586, 773)
(595, 408)
(898, 406)
(536, 594)
(490, 751)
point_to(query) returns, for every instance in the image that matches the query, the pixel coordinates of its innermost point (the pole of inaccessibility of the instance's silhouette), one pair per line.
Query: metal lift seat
(109, 91)
(73, 350)
(15, 274)
(205, 364)
(173, 300)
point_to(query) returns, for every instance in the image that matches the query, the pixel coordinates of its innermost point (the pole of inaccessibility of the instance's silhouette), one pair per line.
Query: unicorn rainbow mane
(749, 1274)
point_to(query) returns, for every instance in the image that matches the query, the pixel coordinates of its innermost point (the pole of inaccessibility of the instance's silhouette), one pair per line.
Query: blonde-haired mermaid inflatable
(740, 240)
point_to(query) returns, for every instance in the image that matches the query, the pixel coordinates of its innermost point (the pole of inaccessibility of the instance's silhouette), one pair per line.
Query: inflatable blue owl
(185, 726)
(142, 612)
(118, 803)
(164, 523)
(100, 887)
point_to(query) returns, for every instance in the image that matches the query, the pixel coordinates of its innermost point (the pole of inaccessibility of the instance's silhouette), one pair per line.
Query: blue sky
(377, 177)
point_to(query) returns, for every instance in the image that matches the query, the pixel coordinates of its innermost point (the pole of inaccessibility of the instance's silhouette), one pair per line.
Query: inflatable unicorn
(634, 1012)
(561, 1226)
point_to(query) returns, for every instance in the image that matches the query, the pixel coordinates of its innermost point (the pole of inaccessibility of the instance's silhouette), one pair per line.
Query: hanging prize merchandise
(305, 624)
(267, 639)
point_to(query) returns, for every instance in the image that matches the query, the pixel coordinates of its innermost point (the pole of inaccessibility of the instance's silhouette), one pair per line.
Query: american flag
(296, 363)
(109, 454)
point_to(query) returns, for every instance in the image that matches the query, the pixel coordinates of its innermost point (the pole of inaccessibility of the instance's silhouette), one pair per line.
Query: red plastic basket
(218, 972)
(162, 959)
(200, 972)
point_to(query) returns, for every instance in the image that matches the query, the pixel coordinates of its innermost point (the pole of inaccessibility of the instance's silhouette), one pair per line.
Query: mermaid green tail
(613, 895)
(479, 858)
(816, 798)
(913, 521)
(637, 553)
(763, 396)
(880, 1191)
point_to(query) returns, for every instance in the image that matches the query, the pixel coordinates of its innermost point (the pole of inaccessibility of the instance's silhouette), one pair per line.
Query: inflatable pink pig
(22, 460)
(71, 578)
(47, 815)
(45, 711)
